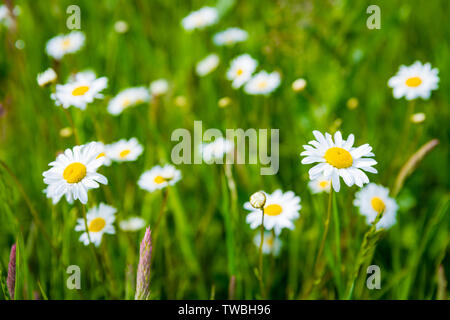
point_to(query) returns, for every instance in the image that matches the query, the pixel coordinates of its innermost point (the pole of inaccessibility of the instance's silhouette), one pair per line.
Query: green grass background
(204, 239)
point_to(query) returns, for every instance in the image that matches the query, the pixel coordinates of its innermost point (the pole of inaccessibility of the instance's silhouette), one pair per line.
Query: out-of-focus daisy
(263, 83)
(6, 16)
(374, 199)
(207, 65)
(104, 154)
(200, 19)
(132, 224)
(46, 77)
(241, 70)
(319, 185)
(271, 244)
(230, 36)
(159, 177)
(128, 98)
(81, 89)
(299, 85)
(414, 81)
(418, 117)
(61, 45)
(338, 159)
(100, 220)
(216, 149)
(74, 172)
(121, 26)
(280, 209)
(159, 87)
(124, 150)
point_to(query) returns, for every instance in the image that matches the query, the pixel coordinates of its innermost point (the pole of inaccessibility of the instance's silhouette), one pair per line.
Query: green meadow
(202, 247)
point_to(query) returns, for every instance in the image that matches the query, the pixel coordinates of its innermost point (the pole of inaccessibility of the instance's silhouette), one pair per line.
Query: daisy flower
(100, 220)
(159, 87)
(207, 65)
(414, 81)
(200, 19)
(74, 172)
(263, 83)
(319, 185)
(46, 77)
(271, 244)
(215, 150)
(279, 211)
(124, 150)
(159, 177)
(241, 70)
(128, 98)
(338, 159)
(230, 36)
(81, 89)
(374, 199)
(104, 154)
(61, 45)
(132, 224)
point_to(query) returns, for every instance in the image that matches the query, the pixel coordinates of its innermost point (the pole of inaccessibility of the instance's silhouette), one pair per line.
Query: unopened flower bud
(299, 85)
(258, 200)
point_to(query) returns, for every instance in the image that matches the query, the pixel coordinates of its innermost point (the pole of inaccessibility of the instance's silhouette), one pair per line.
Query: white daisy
(241, 70)
(279, 211)
(159, 87)
(319, 185)
(216, 149)
(81, 89)
(200, 19)
(132, 224)
(46, 77)
(61, 45)
(414, 81)
(338, 159)
(128, 98)
(159, 177)
(271, 244)
(263, 83)
(230, 36)
(74, 172)
(124, 150)
(100, 220)
(207, 65)
(374, 199)
(104, 154)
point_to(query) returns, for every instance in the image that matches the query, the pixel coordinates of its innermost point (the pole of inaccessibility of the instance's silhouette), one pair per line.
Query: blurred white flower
(128, 98)
(207, 65)
(241, 70)
(230, 36)
(271, 244)
(216, 149)
(46, 77)
(121, 26)
(61, 45)
(299, 85)
(159, 87)
(132, 224)
(263, 83)
(200, 19)
(319, 185)
(124, 150)
(414, 81)
(159, 177)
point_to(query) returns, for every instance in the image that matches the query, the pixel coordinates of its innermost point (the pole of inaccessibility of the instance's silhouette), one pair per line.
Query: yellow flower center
(124, 153)
(377, 204)
(66, 43)
(239, 72)
(74, 172)
(97, 225)
(273, 210)
(101, 155)
(126, 103)
(323, 184)
(413, 82)
(270, 241)
(338, 157)
(159, 179)
(262, 84)
(80, 90)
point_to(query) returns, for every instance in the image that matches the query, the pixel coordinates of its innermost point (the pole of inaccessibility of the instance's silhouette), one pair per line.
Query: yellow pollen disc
(159, 179)
(323, 184)
(126, 103)
(273, 210)
(101, 155)
(377, 204)
(80, 91)
(74, 172)
(66, 43)
(262, 84)
(124, 153)
(239, 72)
(97, 224)
(413, 82)
(270, 241)
(338, 157)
